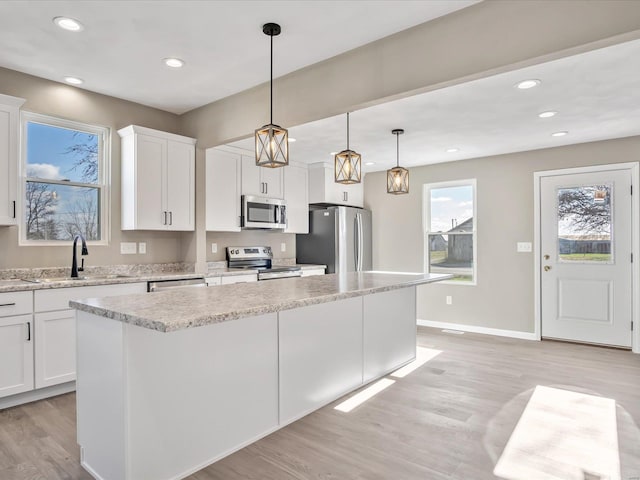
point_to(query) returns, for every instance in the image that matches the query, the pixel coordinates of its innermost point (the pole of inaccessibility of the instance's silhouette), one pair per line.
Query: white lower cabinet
(55, 348)
(389, 332)
(320, 355)
(229, 279)
(309, 272)
(16, 354)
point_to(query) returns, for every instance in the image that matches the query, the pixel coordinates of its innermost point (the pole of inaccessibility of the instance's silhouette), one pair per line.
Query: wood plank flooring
(449, 419)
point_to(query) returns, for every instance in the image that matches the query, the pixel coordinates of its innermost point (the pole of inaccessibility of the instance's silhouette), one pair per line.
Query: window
(65, 180)
(450, 229)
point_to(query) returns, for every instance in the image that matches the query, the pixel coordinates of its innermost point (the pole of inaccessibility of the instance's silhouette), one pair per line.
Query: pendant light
(397, 177)
(272, 141)
(347, 164)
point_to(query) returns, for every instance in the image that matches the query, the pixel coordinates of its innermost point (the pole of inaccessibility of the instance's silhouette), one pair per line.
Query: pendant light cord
(271, 84)
(347, 130)
(397, 149)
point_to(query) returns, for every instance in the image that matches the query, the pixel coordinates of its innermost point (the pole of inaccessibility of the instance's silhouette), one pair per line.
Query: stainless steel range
(259, 258)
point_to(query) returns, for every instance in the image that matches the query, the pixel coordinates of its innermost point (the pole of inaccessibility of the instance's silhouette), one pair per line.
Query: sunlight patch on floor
(423, 355)
(364, 395)
(563, 435)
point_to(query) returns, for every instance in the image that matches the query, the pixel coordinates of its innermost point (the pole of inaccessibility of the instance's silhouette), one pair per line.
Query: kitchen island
(173, 381)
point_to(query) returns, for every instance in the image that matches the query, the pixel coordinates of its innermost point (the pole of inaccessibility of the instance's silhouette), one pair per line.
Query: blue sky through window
(450, 206)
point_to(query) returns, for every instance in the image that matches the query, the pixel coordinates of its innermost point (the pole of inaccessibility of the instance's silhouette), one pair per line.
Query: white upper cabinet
(324, 189)
(9, 123)
(261, 181)
(158, 180)
(296, 194)
(223, 191)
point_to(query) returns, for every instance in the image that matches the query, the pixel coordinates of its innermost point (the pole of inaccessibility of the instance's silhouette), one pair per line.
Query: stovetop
(255, 258)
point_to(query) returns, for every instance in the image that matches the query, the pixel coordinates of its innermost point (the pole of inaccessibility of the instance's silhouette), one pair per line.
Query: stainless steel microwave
(262, 212)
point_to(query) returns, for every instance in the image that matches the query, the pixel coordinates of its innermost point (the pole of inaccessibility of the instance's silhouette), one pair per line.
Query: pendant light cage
(347, 164)
(272, 146)
(397, 177)
(272, 141)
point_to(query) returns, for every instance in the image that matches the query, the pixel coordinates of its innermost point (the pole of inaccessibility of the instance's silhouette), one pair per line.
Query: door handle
(28, 331)
(266, 188)
(356, 243)
(14, 209)
(170, 218)
(547, 268)
(164, 218)
(12, 304)
(547, 257)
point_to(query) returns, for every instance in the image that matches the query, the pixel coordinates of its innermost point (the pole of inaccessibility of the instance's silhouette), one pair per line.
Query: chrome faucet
(74, 262)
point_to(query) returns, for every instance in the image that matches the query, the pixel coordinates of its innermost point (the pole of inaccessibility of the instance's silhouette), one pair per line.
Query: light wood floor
(449, 419)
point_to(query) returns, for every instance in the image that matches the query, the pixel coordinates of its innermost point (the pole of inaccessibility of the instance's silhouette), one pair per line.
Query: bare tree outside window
(63, 193)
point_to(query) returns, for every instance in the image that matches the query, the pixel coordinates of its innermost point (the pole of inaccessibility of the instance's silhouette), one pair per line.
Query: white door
(296, 193)
(586, 238)
(55, 355)
(16, 355)
(223, 191)
(151, 157)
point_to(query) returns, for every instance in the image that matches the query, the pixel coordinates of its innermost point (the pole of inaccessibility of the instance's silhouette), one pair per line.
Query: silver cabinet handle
(28, 331)
(266, 188)
(170, 218)
(7, 304)
(164, 218)
(14, 209)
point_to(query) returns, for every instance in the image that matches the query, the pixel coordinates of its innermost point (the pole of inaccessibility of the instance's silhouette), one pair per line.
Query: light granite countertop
(173, 310)
(42, 283)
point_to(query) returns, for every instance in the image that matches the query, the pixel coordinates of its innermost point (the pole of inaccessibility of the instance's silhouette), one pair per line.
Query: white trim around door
(633, 167)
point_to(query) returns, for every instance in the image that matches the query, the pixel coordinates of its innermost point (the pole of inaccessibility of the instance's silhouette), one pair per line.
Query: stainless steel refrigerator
(339, 237)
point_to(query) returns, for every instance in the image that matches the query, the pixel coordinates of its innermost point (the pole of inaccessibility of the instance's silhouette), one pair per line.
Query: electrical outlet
(128, 248)
(142, 248)
(523, 247)
(283, 247)
(214, 248)
(449, 300)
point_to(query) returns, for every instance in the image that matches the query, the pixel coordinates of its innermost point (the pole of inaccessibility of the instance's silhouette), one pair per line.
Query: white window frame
(104, 176)
(426, 224)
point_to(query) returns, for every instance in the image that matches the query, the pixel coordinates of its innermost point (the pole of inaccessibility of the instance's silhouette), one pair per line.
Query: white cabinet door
(158, 180)
(320, 355)
(180, 183)
(229, 279)
(389, 331)
(296, 193)
(324, 189)
(223, 191)
(55, 348)
(151, 161)
(9, 158)
(261, 181)
(310, 272)
(16, 355)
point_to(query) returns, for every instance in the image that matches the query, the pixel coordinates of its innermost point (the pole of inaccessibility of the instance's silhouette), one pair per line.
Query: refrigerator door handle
(360, 242)
(356, 243)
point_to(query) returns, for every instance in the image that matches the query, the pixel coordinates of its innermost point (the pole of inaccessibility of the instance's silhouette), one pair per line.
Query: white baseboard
(37, 394)
(475, 329)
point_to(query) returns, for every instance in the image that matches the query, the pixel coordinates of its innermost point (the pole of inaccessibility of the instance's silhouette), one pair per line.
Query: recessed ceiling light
(74, 80)
(526, 84)
(559, 134)
(452, 150)
(370, 163)
(173, 62)
(548, 114)
(69, 24)
(290, 140)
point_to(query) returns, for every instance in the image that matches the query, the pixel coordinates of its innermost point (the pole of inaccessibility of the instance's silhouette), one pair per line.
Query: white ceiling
(120, 51)
(596, 95)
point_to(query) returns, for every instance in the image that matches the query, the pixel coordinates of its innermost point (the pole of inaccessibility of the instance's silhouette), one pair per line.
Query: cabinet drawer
(58, 298)
(16, 303)
(229, 279)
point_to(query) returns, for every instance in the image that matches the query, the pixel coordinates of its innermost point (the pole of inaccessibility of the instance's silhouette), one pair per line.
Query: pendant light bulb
(397, 177)
(347, 164)
(272, 141)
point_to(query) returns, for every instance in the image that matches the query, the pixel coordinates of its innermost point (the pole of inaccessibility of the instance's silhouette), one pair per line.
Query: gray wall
(503, 296)
(59, 100)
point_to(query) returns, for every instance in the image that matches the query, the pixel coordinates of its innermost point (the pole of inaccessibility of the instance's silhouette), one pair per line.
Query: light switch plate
(524, 247)
(214, 248)
(283, 247)
(128, 248)
(142, 247)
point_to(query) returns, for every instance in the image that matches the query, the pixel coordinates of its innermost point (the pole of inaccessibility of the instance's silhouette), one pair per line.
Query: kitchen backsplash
(248, 238)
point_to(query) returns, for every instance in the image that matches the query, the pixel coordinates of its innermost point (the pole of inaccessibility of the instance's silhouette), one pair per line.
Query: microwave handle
(283, 214)
(277, 207)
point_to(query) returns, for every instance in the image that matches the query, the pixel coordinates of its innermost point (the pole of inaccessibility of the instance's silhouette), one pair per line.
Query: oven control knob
(264, 250)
